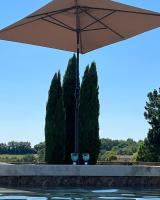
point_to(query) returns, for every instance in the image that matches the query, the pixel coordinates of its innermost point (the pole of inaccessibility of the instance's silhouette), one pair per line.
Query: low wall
(78, 170)
(69, 175)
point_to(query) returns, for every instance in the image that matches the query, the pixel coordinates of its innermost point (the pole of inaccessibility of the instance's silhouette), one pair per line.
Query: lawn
(17, 158)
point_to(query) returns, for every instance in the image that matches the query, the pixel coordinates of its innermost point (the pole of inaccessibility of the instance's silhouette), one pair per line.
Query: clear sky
(127, 72)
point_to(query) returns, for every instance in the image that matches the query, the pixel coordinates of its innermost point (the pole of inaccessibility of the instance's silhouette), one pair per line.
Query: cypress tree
(69, 86)
(89, 114)
(54, 124)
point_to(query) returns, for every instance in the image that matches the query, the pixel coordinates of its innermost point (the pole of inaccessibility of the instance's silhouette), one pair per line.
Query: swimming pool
(80, 194)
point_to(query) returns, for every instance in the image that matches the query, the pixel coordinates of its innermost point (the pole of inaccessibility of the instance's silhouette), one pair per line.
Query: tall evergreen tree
(69, 86)
(54, 124)
(89, 114)
(149, 151)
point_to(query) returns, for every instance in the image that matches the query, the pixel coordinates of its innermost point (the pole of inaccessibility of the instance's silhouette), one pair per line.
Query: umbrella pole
(77, 92)
(77, 102)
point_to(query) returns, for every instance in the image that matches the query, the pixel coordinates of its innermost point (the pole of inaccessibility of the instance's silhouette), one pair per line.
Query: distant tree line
(60, 115)
(121, 147)
(109, 148)
(16, 148)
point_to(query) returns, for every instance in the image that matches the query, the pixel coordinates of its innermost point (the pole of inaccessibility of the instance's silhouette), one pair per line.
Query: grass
(17, 158)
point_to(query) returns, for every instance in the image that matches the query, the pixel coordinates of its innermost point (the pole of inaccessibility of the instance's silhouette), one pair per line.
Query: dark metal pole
(77, 92)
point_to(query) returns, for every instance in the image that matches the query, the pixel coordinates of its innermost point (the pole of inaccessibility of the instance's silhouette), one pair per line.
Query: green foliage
(134, 157)
(119, 147)
(16, 148)
(69, 87)
(107, 151)
(54, 124)
(149, 150)
(89, 106)
(18, 158)
(89, 114)
(41, 155)
(29, 158)
(108, 156)
(107, 144)
(39, 147)
(148, 153)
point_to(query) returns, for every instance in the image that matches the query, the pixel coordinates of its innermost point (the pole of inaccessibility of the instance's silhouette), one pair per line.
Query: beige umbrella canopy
(100, 23)
(81, 26)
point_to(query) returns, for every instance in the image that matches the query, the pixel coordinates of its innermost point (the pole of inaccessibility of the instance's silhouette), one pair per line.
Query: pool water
(80, 194)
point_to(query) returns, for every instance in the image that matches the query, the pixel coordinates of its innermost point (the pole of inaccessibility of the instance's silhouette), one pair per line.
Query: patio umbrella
(81, 26)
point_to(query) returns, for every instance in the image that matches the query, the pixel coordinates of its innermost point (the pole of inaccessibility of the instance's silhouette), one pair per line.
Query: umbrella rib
(57, 24)
(118, 10)
(52, 12)
(56, 12)
(104, 24)
(7, 29)
(61, 23)
(105, 16)
(83, 11)
(95, 29)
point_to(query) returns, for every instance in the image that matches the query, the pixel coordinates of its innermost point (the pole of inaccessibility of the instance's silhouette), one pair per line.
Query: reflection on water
(80, 194)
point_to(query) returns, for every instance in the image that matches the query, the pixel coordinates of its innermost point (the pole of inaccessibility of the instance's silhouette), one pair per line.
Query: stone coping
(79, 170)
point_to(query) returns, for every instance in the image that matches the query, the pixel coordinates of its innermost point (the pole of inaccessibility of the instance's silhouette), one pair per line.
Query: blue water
(80, 194)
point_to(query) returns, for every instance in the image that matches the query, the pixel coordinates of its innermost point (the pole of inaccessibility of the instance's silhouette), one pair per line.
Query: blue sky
(127, 72)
